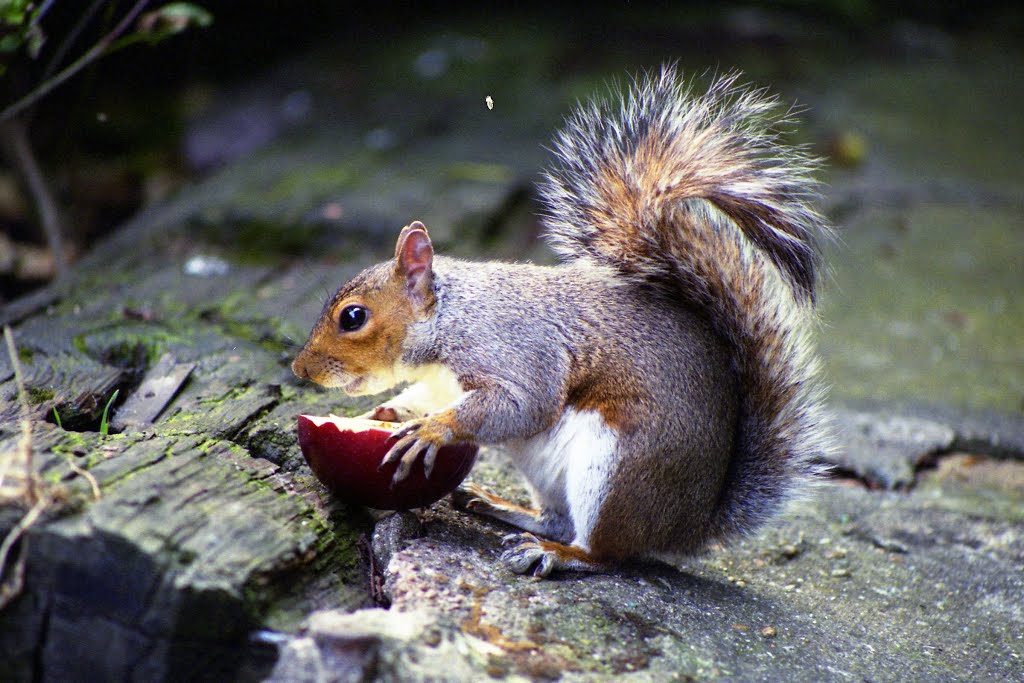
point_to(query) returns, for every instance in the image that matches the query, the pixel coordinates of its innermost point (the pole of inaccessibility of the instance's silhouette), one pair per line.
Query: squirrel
(658, 387)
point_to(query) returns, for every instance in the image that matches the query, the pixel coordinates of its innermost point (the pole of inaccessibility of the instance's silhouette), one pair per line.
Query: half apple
(345, 454)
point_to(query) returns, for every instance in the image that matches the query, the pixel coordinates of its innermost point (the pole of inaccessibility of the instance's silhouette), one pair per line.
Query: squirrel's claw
(410, 445)
(396, 451)
(529, 554)
(408, 458)
(543, 557)
(520, 536)
(429, 456)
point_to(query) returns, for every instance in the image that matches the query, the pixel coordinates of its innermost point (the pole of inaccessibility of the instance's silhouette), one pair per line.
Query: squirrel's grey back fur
(695, 194)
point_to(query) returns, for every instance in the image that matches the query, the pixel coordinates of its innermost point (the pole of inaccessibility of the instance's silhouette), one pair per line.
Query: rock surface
(211, 553)
(854, 584)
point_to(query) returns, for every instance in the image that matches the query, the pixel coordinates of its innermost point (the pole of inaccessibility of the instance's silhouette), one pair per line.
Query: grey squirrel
(657, 388)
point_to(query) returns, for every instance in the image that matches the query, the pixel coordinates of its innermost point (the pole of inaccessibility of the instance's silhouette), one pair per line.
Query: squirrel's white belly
(569, 466)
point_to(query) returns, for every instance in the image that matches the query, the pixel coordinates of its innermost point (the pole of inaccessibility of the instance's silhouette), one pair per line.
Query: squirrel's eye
(352, 318)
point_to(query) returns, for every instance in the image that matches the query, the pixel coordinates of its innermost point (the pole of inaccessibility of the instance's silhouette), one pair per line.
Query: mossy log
(206, 529)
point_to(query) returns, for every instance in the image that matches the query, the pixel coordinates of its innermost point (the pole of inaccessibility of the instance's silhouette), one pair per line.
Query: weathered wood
(194, 543)
(72, 389)
(157, 389)
(180, 559)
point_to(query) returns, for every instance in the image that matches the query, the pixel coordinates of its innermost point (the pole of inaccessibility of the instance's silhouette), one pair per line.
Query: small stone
(497, 667)
(432, 637)
(769, 632)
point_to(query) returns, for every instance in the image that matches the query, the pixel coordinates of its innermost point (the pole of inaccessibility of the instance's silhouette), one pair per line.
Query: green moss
(288, 392)
(208, 446)
(37, 395)
(74, 441)
(259, 242)
(230, 394)
(258, 331)
(133, 346)
(84, 447)
(79, 343)
(331, 573)
(270, 334)
(315, 180)
(480, 172)
(262, 486)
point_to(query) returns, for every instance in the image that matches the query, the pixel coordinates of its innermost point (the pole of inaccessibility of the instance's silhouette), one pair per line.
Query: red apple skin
(346, 453)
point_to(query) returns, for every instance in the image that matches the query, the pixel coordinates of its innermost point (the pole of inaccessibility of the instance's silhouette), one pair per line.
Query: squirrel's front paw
(425, 437)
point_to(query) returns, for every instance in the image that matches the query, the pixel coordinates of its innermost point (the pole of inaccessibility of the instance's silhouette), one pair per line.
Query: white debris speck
(206, 266)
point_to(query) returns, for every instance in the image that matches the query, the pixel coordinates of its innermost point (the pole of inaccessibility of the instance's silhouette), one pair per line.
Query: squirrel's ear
(404, 235)
(414, 258)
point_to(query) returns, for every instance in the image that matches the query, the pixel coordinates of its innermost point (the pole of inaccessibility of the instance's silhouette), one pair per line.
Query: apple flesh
(346, 453)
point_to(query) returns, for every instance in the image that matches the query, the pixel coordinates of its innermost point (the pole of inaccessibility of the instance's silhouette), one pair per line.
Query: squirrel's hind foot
(531, 554)
(543, 557)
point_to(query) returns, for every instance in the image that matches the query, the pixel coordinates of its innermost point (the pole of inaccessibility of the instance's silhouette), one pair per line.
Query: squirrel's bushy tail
(697, 194)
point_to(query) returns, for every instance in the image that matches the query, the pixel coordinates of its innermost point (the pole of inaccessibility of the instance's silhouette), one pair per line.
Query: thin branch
(11, 585)
(25, 444)
(85, 474)
(10, 588)
(41, 13)
(94, 53)
(65, 45)
(14, 137)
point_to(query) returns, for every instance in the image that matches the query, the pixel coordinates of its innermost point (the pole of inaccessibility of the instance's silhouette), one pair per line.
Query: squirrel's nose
(299, 368)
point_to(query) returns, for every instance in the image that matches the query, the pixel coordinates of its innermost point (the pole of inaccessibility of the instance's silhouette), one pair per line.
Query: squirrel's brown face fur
(356, 344)
(357, 360)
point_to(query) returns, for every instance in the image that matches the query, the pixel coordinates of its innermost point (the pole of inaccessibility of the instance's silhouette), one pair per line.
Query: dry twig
(31, 489)
(11, 585)
(30, 492)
